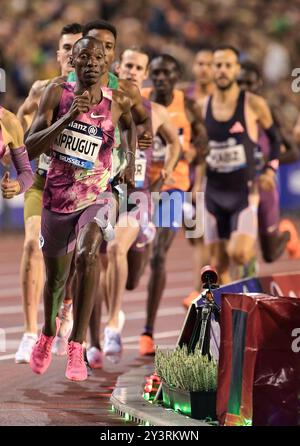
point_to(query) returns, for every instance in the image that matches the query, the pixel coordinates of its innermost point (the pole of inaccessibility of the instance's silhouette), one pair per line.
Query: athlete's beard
(204, 82)
(225, 87)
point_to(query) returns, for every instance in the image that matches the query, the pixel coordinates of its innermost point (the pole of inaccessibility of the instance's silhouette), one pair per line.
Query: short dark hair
(71, 28)
(90, 38)
(99, 24)
(228, 47)
(248, 65)
(168, 58)
(136, 49)
(205, 49)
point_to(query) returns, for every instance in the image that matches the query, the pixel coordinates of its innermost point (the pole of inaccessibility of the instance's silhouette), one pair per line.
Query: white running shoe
(60, 344)
(112, 345)
(107, 229)
(147, 235)
(95, 358)
(27, 343)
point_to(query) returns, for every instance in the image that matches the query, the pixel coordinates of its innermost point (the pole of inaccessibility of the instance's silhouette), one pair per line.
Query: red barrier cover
(259, 368)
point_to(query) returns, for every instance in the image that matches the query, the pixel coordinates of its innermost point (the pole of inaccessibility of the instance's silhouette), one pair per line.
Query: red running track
(28, 399)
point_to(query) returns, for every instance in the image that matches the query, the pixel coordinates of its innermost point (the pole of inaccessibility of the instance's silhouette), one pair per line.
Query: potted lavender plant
(189, 382)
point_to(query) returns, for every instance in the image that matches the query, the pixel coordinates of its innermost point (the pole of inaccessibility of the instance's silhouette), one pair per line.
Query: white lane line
(14, 309)
(161, 313)
(161, 335)
(10, 292)
(131, 296)
(134, 296)
(13, 344)
(161, 346)
(182, 273)
(17, 329)
(138, 315)
(9, 279)
(3, 358)
(168, 293)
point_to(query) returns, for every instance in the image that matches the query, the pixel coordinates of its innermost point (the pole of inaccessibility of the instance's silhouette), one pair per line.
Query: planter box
(198, 405)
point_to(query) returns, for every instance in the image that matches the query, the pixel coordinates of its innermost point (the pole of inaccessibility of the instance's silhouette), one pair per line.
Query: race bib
(140, 169)
(78, 144)
(225, 159)
(43, 164)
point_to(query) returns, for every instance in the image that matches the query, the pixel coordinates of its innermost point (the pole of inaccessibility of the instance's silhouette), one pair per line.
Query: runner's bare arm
(14, 139)
(199, 141)
(264, 117)
(199, 178)
(27, 108)
(261, 109)
(129, 128)
(169, 134)
(199, 135)
(43, 133)
(31, 103)
(121, 111)
(289, 151)
(139, 113)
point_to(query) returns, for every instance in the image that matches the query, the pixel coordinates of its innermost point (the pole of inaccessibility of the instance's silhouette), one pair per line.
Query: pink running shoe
(41, 354)
(76, 368)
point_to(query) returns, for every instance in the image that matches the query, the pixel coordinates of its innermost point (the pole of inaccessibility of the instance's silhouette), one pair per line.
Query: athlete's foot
(60, 345)
(293, 245)
(86, 361)
(147, 347)
(26, 346)
(273, 245)
(41, 354)
(95, 357)
(76, 368)
(147, 235)
(112, 345)
(189, 299)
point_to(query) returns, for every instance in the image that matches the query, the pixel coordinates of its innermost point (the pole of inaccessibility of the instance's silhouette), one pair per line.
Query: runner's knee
(158, 259)
(87, 258)
(115, 249)
(132, 283)
(32, 249)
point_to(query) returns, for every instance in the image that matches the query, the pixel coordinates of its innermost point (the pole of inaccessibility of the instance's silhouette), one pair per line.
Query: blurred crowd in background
(266, 31)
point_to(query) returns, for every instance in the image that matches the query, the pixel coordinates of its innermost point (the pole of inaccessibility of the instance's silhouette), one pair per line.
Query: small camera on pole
(209, 278)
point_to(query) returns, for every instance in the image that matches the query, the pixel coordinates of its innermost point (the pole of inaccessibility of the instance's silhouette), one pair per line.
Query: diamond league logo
(92, 130)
